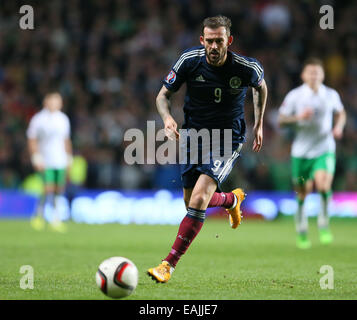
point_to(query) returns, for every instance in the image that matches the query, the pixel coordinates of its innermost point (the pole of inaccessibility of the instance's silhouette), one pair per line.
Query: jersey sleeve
(32, 130)
(177, 75)
(256, 73)
(287, 108)
(337, 106)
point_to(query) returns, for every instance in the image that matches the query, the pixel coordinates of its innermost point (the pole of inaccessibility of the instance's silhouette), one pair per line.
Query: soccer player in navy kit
(217, 82)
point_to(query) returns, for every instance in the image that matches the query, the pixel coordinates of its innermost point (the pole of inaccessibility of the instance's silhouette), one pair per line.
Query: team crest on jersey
(171, 77)
(235, 82)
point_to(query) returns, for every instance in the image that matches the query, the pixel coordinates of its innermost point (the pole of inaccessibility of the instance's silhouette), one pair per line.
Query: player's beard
(215, 57)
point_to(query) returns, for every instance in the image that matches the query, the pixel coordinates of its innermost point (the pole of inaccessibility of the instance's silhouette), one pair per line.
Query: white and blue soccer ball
(117, 277)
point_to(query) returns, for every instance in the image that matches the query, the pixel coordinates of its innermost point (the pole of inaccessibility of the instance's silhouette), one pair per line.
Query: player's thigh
(303, 189)
(220, 167)
(323, 172)
(302, 171)
(48, 176)
(302, 176)
(323, 180)
(202, 192)
(60, 180)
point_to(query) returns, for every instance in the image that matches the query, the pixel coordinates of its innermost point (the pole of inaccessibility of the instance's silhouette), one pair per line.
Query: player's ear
(202, 41)
(230, 40)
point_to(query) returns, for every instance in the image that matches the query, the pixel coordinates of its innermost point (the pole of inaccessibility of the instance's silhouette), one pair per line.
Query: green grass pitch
(258, 260)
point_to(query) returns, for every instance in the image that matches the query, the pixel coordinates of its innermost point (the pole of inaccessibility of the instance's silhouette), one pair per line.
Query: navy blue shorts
(209, 160)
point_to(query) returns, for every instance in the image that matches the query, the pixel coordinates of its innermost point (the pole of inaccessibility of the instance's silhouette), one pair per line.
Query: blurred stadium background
(108, 57)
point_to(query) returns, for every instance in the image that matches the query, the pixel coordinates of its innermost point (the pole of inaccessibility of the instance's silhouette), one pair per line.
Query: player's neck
(220, 63)
(314, 87)
(51, 110)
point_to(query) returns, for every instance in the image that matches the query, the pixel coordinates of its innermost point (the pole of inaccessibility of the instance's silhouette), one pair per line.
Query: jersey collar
(226, 63)
(320, 91)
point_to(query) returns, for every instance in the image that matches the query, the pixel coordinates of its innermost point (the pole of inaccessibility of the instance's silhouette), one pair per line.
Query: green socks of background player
(301, 223)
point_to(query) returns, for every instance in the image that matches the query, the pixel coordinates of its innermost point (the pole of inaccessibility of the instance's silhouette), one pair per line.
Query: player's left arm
(68, 142)
(260, 95)
(340, 121)
(69, 151)
(339, 116)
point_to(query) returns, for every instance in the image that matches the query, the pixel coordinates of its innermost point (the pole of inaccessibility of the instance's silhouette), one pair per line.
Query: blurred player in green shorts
(318, 117)
(50, 149)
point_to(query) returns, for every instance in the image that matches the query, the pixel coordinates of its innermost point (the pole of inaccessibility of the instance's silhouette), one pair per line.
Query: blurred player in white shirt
(318, 117)
(50, 149)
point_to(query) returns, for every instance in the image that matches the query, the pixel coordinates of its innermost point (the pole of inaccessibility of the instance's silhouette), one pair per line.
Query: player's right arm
(36, 158)
(287, 115)
(163, 104)
(285, 120)
(32, 144)
(172, 83)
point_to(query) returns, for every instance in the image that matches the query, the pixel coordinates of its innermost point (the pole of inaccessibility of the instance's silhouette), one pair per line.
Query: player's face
(53, 102)
(313, 75)
(216, 42)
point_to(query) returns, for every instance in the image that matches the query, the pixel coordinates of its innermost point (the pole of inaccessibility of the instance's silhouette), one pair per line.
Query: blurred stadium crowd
(108, 58)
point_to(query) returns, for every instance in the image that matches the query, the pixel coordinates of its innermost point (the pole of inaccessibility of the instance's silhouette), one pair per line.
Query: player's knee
(198, 200)
(59, 190)
(301, 196)
(49, 189)
(301, 193)
(322, 185)
(323, 188)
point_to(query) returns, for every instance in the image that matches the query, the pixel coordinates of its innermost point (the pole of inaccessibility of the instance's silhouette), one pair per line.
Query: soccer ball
(117, 277)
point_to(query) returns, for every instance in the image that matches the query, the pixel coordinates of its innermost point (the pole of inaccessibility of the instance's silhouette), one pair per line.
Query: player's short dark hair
(313, 61)
(216, 22)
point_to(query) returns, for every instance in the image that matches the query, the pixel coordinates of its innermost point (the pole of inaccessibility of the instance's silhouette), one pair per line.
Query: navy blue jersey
(215, 95)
